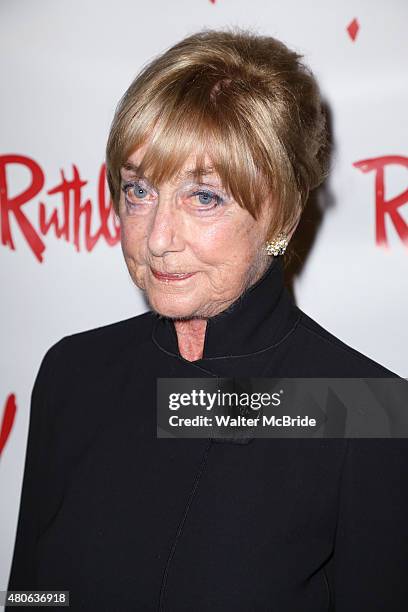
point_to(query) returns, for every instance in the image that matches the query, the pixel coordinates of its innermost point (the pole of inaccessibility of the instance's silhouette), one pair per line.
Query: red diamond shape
(353, 28)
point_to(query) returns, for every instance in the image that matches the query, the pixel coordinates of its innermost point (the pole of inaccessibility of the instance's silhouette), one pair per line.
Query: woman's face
(192, 228)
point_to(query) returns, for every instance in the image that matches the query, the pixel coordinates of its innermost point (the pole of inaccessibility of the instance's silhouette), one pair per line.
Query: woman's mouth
(171, 277)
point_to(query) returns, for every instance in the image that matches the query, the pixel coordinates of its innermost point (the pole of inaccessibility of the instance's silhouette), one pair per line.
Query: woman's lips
(170, 277)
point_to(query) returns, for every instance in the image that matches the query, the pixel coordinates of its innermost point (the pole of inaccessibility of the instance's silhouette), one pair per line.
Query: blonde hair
(244, 99)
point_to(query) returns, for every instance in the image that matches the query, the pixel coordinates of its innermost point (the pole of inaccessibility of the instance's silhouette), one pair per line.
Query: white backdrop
(64, 66)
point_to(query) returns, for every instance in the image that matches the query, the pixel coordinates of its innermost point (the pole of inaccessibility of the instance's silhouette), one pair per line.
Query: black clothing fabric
(127, 521)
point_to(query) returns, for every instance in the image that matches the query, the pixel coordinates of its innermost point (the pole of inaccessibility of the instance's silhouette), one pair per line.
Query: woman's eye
(206, 198)
(134, 193)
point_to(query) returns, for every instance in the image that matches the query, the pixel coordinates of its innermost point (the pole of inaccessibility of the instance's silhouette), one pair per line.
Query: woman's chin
(171, 306)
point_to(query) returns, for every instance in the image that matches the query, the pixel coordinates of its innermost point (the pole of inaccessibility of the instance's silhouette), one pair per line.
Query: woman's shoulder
(332, 356)
(112, 335)
(101, 344)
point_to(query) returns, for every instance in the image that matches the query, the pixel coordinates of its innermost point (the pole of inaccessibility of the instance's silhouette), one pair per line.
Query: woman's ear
(291, 230)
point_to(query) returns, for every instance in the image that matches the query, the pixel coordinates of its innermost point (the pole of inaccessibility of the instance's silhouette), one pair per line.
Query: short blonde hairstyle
(244, 99)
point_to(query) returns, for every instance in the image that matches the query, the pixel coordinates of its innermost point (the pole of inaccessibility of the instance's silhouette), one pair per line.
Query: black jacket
(127, 521)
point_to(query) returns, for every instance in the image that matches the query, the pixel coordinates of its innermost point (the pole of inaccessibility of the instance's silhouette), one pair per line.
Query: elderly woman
(211, 156)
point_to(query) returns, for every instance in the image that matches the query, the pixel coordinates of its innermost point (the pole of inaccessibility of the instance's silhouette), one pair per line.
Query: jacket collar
(259, 319)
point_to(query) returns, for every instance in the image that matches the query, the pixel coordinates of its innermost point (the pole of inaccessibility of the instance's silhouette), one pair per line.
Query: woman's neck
(191, 336)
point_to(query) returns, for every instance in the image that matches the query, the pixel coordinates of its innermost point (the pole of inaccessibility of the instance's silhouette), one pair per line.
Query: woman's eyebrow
(206, 172)
(129, 166)
(197, 172)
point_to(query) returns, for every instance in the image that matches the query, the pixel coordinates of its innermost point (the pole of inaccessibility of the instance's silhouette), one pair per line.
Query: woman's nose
(165, 232)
